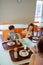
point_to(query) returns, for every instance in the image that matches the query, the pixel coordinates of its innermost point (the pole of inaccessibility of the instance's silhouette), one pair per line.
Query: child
(12, 35)
(29, 31)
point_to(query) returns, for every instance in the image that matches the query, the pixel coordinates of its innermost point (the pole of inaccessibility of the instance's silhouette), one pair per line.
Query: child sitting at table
(12, 35)
(29, 31)
(37, 59)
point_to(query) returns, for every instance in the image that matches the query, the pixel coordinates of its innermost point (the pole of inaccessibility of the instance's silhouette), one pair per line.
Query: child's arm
(32, 59)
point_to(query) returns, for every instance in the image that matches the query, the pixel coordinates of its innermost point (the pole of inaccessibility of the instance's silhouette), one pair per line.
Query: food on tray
(23, 53)
(11, 43)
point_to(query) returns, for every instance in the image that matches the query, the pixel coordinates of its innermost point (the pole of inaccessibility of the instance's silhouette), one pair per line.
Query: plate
(34, 41)
(23, 53)
(35, 38)
(11, 43)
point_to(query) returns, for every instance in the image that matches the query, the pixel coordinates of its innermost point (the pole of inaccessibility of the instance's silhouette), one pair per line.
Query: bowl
(11, 43)
(23, 53)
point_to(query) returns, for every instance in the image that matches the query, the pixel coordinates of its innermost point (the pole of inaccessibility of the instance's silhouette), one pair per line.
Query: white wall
(11, 10)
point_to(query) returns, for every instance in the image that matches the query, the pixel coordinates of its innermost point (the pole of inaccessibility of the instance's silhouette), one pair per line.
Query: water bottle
(15, 54)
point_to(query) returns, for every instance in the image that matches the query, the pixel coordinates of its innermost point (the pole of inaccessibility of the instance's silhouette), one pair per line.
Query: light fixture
(19, 1)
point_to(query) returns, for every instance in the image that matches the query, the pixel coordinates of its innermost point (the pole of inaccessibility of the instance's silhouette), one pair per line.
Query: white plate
(23, 53)
(35, 38)
(11, 43)
(34, 41)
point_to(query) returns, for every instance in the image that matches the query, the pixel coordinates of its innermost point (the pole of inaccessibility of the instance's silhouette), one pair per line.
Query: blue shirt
(12, 36)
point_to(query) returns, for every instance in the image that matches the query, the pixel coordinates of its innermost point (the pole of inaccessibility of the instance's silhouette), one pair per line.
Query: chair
(5, 34)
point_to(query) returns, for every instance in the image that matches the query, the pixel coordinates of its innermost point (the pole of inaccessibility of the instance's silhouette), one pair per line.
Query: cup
(25, 47)
(15, 52)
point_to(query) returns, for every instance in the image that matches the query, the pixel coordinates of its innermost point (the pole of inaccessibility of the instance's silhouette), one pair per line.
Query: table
(5, 57)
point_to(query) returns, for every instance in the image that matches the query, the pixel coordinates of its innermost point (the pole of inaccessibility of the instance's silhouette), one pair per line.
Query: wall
(11, 10)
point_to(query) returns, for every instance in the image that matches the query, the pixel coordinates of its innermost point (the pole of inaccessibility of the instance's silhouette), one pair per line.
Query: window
(38, 12)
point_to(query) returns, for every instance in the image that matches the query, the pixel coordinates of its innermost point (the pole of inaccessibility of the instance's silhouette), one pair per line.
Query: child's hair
(40, 45)
(31, 24)
(11, 27)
